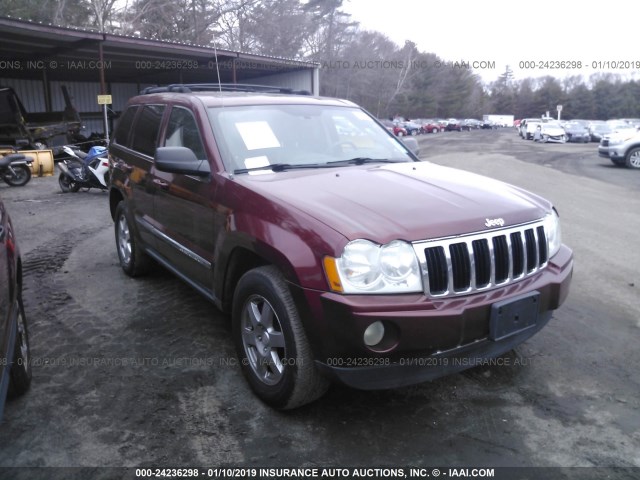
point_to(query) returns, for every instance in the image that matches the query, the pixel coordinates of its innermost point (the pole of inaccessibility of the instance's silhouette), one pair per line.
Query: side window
(182, 131)
(121, 136)
(145, 133)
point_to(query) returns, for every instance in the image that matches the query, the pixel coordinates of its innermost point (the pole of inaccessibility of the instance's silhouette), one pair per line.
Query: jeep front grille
(481, 261)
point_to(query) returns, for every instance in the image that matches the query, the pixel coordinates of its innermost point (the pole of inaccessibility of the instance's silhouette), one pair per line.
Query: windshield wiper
(280, 167)
(363, 160)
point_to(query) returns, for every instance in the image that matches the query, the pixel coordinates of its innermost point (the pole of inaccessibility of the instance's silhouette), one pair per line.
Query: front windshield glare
(254, 137)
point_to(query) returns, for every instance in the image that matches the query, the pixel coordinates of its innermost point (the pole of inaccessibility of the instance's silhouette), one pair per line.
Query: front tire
(20, 178)
(20, 373)
(632, 160)
(133, 260)
(271, 343)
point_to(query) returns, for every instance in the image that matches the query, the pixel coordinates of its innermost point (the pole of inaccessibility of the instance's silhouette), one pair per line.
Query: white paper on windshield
(257, 162)
(257, 135)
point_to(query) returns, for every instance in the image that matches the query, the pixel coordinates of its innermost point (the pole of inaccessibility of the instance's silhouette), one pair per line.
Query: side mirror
(181, 160)
(412, 144)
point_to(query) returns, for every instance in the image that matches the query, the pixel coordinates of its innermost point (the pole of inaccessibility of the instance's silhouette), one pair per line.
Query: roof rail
(221, 87)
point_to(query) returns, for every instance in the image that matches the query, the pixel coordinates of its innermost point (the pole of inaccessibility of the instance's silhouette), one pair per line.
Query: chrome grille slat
(510, 253)
(481, 261)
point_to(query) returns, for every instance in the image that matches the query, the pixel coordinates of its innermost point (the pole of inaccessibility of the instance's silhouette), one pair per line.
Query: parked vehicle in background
(36, 129)
(394, 128)
(470, 124)
(499, 120)
(528, 127)
(577, 132)
(15, 167)
(634, 122)
(15, 358)
(622, 148)
(621, 126)
(552, 132)
(598, 130)
(337, 258)
(83, 170)
(411, 128)
(454, 125)
(431, 126)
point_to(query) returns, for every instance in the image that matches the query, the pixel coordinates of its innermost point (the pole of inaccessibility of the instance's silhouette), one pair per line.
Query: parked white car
(552, 132)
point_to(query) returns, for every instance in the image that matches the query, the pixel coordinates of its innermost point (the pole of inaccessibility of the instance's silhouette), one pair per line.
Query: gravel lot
(131, 373)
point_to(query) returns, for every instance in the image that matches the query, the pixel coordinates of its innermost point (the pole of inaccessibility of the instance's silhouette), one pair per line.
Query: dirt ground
(142, 373)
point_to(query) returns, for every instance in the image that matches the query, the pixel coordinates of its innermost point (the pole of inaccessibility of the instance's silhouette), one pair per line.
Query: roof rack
(221, 87)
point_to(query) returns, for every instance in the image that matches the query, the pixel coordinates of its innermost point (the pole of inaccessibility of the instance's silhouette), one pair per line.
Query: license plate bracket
(513, 316)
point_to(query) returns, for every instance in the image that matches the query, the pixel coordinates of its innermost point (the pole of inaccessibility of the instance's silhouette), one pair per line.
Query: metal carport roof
(46, 52)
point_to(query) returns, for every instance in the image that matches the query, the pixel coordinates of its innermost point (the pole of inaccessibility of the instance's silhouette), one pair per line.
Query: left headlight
(366, 267)
(553, 233)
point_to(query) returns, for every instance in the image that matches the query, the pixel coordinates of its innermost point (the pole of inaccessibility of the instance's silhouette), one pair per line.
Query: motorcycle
(83, 170)
(15, 168)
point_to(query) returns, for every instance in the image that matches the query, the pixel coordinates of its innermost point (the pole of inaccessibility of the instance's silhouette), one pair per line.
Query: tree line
(363, 66)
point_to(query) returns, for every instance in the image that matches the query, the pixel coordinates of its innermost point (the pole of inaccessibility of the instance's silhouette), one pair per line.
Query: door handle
(161, 184)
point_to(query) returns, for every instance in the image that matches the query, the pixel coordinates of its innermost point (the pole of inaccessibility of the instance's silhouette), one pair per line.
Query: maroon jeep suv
(337, 252)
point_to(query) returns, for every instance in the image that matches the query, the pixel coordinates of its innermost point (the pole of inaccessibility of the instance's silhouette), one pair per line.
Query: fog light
(373, 334)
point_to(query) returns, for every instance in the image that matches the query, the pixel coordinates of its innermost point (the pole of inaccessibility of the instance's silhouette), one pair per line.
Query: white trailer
(501, 120)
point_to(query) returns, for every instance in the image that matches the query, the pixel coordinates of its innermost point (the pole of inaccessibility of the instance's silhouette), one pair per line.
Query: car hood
(552, 130)
(622, 135)
(408, 201)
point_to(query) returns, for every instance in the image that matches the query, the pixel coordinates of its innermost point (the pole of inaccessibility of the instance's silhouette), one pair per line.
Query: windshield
(255, 137)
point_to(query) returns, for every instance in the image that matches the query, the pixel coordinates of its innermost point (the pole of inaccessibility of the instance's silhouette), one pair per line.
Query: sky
(491, 34)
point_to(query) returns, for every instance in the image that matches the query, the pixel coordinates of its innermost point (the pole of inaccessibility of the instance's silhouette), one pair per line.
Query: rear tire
(21, 177)
(67, 184)
(275, 355)
(133, 260)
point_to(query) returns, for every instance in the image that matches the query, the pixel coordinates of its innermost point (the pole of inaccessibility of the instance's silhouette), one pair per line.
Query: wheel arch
(245, 255)
(240, 261)
(115, 197)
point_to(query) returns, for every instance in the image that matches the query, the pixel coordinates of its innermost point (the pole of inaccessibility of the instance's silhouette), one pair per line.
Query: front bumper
(616, 152)
(578, 138)
(428, 338)
(603, 151)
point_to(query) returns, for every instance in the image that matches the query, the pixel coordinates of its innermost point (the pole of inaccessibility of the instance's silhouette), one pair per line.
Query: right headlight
(553, 233)
(366, 267)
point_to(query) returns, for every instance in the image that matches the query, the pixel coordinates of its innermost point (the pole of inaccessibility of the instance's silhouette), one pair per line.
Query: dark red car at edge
(15, 366)
(339, 255)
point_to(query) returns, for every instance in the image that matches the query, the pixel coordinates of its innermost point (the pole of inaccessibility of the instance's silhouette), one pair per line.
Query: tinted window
(145, 134)
(124, 126)
(182, 131)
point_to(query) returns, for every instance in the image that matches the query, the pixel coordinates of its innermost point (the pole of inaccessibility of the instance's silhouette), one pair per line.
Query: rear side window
(145, 133)
(121, 137)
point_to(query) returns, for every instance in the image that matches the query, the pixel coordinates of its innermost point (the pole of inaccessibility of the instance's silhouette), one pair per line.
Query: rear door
(132, 151)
